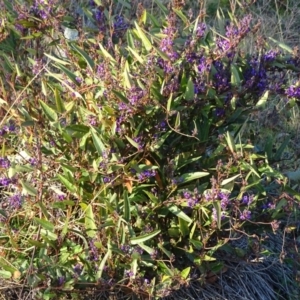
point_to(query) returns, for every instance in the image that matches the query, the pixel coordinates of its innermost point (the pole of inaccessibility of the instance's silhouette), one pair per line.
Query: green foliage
(122, 153)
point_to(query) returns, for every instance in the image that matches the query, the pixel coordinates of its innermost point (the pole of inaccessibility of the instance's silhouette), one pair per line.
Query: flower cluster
(146, 174)
(15, 201)
(4, 163)
(94, 255)
(120, 26)
(42, 8)
(193, 198)
(293, 92)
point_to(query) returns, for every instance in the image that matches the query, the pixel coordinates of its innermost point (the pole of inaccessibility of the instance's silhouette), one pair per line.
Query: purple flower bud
(4, 163)
(15, 201)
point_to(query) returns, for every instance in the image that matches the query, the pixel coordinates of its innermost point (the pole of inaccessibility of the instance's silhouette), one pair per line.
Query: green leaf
(132, 142)
(235, 77)
(49, 112)
(179, 213)
(197, 244)
(143, 37)
(282, 46)
(66, 183)
(59, 103)
(228, 180)
(191, 176)
(85, 56)
(279, 152)
(89, 221)
(144, 238)
(29, 189)
(177, 121)
(180, 14)
(5, 274)
(106, 54)
(103, 261)
(161, 141)
(169, 103)
(217, 206)
(48, 235)
(208, 258)
(97, 142)
(136, 55)
(60, 61)
(184, 227)
(185, 273)
(263, 100)
(164, 267)
(126, 76)
(230, 142)
(44, 223)
(162, 7)
(189, 92)
(127, 214)
(151, 196)
(71, 75)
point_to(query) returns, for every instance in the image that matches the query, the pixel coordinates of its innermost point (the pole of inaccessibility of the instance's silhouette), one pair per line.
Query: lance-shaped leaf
(49, 112)
(144, 238)
(179, 213)
(85, 56)
(190, 90)
(127, 214)
(89, 221)
(106, 54)
(60, 61)
(66, 183)
(136, 55)
(28, 189)
(44, 223)
(59, 103)
(143, 37)
(217, 207)
(97, 142)
(191, 176)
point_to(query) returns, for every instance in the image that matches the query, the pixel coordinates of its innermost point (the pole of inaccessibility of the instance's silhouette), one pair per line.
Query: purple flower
(154, 254)
(92, 120)
(61, 280)
(139, 250)
(78, 269)
(135, 94)
(15, 201)
(270, 55)
(200, 30)
(33, 161)
(223, 44)
(245, 215)
(247, 199)
(3, 131)
(4, 163)
(126, 249)
(203, 66)
(224, 197)
(61, 197)
(129, 273)
(119, 25)
(106, 179)
(94, 255)
(293, 92)
(220, 112)
(214, 214)
(144, 175)
(5, 181)
(101, 70)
